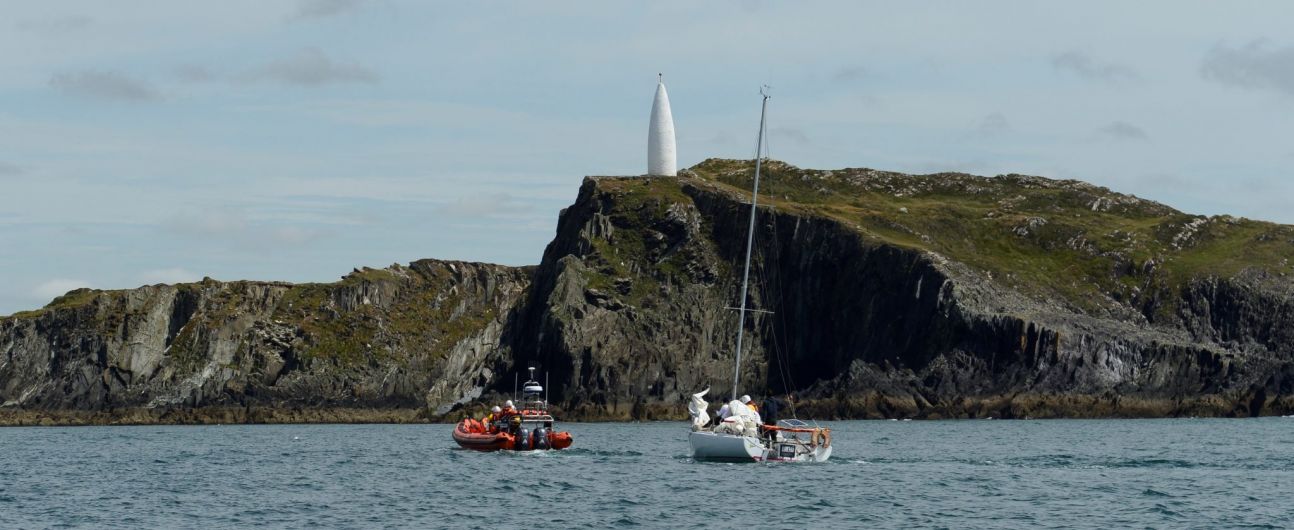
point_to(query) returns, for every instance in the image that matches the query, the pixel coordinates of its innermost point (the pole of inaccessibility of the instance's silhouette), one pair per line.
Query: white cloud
(54, 288)
(171, 275)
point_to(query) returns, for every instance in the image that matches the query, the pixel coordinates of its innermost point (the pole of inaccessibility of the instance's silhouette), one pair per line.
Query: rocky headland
(888, 295)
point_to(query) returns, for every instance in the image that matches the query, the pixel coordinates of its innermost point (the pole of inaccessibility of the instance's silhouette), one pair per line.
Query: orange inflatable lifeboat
(520, 436)
(472, 434)
(528, 429)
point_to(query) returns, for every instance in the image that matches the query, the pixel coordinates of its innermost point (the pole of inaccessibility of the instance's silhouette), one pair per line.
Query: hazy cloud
(9, 170)
(54, 288)
(193, 73)
(1166, 180)
(994, 123)
(209, 222)
(1255, 65)
(309, 9)
(56, 24)
(104, 85)
(310, 67)
(792, 134)
(973, 166)
(849, 74)
(240, 229)
(721, 138)
(171, 275)
(1122, 130)
(1085, 67)
(485, 205)
(289, 235)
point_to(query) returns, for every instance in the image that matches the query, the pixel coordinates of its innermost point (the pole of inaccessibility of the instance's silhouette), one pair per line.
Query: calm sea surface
(1206, 473)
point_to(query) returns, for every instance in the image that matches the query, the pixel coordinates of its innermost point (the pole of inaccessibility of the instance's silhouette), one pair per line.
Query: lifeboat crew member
(492, 417)
(746, 399)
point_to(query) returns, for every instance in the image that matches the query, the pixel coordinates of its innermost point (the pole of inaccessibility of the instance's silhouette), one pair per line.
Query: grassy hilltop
(1061, 239)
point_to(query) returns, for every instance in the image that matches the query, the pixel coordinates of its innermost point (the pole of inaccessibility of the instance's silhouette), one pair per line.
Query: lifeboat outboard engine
(523, 439)
(541, 438)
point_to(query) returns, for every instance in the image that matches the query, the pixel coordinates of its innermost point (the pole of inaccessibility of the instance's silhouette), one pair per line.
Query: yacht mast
(750, 240)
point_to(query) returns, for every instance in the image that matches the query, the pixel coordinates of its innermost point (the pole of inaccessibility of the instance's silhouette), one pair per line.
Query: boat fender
(541, 438)
(523, 439)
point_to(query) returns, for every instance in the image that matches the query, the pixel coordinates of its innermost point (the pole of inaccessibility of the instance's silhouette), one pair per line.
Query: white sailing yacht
(740, 437)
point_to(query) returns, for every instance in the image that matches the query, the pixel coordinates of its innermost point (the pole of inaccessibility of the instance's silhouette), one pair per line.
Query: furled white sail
(740, 421)
(697, 408)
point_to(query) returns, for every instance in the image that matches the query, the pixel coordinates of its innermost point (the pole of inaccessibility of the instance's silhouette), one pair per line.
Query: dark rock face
(869, 314)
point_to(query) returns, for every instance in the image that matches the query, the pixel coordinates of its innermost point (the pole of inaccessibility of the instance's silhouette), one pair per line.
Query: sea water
(1206, 473)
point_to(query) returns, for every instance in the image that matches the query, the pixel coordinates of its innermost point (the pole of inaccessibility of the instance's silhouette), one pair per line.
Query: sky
(163, 141)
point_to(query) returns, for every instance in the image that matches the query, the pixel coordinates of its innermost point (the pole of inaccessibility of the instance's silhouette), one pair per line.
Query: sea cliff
(880, 295)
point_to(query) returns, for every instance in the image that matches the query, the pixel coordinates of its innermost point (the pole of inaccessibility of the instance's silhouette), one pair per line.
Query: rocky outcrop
(629, 312)
(426, 336)
(876, 294)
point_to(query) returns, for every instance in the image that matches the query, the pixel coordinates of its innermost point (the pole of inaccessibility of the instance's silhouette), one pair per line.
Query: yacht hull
(725, 447)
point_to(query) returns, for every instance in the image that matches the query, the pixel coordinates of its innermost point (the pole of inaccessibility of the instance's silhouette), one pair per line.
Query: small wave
(1149, 492)
(1165, 511)
(1153, 462)
(602, 452)
(566, 486)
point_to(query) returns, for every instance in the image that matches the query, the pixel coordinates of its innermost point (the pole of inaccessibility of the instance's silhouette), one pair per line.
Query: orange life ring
(820, 437)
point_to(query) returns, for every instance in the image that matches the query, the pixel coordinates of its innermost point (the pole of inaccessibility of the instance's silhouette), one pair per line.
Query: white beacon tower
(661, 150)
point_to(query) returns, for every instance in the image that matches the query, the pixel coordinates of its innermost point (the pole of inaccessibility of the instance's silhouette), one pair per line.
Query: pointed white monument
(661, 153)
